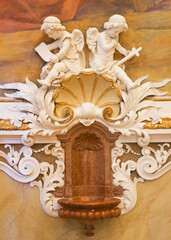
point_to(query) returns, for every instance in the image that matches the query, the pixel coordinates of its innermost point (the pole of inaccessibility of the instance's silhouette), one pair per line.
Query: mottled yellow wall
(150, 29)
(22, 218)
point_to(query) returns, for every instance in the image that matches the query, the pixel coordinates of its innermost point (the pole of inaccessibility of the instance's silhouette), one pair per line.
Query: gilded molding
(165, 124)
(6, 125)
(9, 100)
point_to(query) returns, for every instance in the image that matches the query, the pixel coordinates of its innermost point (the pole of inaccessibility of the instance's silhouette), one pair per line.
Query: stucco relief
(71, 94)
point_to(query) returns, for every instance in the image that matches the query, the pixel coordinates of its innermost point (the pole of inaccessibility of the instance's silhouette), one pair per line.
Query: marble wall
(22, 218)
(150, 29)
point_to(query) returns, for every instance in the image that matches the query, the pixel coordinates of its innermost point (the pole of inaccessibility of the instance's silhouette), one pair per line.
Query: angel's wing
(77, 39)
(91, 39)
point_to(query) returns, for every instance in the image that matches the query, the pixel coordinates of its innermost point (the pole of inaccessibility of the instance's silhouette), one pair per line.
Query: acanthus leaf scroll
(25, 168)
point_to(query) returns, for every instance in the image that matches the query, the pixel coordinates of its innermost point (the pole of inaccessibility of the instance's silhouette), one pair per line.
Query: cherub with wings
(70, 55)
(103, 45)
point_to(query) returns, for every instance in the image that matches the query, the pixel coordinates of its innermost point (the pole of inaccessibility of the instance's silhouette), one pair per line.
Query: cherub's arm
(65, 48)
(63, 51)
(121, 49)
(53, 45)
(105, 44)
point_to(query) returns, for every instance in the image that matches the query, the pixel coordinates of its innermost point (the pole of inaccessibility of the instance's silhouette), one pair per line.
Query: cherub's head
(52, 27)
(116, 25)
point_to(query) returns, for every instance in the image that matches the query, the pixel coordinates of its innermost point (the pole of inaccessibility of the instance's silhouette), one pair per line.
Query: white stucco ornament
(71, 93)
(150, 165)
(67, 94)
(69, 58)
(21, 165)
(103, 45)
(25, 168)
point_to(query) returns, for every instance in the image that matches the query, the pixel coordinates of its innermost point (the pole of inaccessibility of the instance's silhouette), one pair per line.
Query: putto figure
(69, 56)
(103, 45)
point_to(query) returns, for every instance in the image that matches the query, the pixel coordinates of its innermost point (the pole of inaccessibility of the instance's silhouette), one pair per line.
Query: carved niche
(89, 191)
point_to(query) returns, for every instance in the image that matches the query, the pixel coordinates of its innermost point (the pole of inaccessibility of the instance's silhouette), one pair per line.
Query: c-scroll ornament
(21, 166)
(25, 168)
(151, 165)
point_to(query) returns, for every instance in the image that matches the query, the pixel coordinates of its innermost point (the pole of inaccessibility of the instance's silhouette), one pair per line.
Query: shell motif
(86, 87)
(87, 141)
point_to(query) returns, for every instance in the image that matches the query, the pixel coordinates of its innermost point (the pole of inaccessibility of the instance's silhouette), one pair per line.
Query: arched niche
(89, 193)
(88, 161)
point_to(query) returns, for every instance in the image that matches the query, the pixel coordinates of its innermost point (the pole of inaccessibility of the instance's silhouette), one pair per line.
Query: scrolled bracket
(151, 165)
(22, 166)
(25, 168)
(52, 178)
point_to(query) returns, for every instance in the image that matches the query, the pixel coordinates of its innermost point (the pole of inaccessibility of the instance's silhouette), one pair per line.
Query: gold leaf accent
(66, 103)
(103, 93)
(108, 103)
(69, 91)
(94, 86)
(165, 124)
(68, 114)
(82, 88)
(56, 94)
(6, 125)
(107, 113)
(167, 99)
(10, 100)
